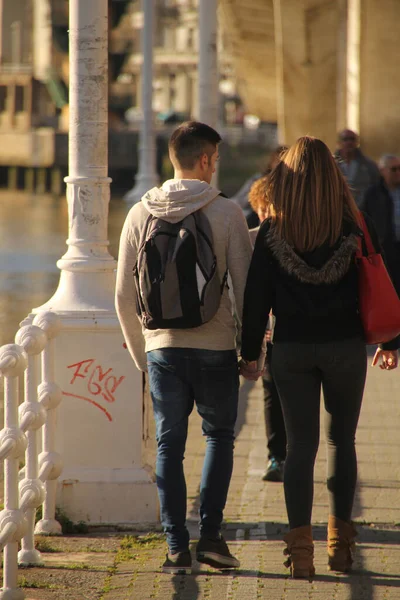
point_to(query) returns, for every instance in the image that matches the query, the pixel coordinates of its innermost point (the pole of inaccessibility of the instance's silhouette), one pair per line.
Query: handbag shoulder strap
(365, 238)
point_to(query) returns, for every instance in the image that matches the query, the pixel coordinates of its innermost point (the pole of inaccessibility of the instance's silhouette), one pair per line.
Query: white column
(42, 39)
(146, 177)
(87, 269)
(208, 67)
(353, 64)
(99, 436)
(341, 85)
(208, 63)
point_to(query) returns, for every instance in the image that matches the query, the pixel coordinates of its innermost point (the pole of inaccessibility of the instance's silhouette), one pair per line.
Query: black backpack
(176, 276)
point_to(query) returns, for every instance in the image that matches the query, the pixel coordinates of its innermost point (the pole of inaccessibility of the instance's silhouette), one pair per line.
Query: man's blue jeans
(179, 377)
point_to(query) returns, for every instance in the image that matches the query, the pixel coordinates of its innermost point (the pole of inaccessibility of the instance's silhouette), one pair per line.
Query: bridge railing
(32, 356)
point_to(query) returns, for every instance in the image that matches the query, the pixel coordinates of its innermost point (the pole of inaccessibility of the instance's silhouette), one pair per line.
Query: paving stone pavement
(255, 520)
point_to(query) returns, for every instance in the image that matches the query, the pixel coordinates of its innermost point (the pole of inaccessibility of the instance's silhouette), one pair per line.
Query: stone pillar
(182, 86)
(353, 64)
(146, 177)
(208, 91)
(379, 77)
(208, 63)
(42, 39)
(306, 50)
(100, 420)
(341, 87)
(195, 94)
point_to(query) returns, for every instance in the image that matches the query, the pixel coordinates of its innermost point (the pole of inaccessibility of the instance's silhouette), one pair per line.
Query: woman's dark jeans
(274, 423)
(300, 371)
(178, 377)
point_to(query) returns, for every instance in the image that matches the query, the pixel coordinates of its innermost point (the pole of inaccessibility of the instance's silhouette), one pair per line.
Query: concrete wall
(249, 32)
(380, 77)
(306, 49)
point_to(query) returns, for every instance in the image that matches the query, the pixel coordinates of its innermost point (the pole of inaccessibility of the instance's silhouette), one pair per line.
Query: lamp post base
(108, 497)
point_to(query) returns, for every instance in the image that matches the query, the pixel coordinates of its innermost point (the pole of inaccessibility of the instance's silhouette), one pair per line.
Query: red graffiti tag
(99, 382)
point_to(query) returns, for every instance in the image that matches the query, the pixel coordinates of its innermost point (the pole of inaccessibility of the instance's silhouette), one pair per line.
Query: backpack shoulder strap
(143, 233)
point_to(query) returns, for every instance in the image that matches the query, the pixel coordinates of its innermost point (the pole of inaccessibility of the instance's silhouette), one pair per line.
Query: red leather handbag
(379, 303)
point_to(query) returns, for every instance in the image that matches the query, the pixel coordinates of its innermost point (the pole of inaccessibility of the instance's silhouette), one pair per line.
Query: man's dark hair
(190, 141)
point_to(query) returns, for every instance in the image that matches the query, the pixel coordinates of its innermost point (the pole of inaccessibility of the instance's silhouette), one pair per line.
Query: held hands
(249, 370)
(389, 359)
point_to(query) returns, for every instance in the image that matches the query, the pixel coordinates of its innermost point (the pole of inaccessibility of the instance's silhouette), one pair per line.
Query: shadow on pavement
(187, 585)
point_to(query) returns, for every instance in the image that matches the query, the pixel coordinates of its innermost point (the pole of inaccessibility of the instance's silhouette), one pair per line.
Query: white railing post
(13, 524)
(32, 417)
(146, 177)
(50, 396)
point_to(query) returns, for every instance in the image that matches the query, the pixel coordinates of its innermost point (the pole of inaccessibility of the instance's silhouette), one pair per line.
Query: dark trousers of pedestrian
(274, 423)
(179, 377)
(300, 371)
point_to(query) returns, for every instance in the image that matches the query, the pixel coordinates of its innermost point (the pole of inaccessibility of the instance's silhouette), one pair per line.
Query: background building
(34, 72)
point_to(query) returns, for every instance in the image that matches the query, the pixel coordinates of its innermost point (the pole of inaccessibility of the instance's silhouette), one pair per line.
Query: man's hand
(249, 370)
(389, 358)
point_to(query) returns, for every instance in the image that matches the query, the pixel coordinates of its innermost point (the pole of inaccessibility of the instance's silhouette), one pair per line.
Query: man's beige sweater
(173, 201)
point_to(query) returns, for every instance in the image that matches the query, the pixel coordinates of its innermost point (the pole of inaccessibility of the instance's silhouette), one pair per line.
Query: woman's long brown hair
(308, 196)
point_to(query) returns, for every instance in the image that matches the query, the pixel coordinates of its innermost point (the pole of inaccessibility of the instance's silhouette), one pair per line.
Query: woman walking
(304, 269)
(273, 417)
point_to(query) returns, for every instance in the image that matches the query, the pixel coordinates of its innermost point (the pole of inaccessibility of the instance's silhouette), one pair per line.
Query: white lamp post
(146, 177)
(208, 93)
(208, 63)
(100, 429)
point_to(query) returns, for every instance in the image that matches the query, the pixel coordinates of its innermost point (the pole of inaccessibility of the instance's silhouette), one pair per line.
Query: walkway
(123, 567)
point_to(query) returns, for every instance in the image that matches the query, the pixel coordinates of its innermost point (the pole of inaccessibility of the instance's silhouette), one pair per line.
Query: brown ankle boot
(300, 550)
(340, 544)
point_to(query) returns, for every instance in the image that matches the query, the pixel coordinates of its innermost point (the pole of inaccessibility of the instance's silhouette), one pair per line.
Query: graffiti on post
(100, 383)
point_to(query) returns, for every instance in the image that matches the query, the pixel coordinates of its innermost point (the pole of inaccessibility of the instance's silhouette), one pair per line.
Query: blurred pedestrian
(242, 196)
(274, 424)
(360, 171)
(382, 203)
(304, 268)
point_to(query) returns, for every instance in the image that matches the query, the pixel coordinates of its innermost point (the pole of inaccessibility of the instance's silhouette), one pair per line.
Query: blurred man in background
(360, 171)
(382, 203)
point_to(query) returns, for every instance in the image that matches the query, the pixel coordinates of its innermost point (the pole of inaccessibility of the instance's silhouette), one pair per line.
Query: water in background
(33, 231)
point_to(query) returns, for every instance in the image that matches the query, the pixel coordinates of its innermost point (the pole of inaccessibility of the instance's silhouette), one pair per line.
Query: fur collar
(331, 272)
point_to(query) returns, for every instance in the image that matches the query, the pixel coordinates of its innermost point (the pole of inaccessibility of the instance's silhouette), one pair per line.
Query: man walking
(382, 204)
(360, 171)
(189, 356)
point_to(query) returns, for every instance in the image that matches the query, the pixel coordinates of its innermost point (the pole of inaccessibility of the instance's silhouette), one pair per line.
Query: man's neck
(392, 187)
(186, 174)
(348, 156)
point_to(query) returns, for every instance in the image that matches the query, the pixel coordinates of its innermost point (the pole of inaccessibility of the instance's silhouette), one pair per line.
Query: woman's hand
(249, 370)
(389, 358)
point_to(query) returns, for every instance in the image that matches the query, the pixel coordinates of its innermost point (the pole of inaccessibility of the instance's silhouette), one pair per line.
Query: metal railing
(25, 490)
